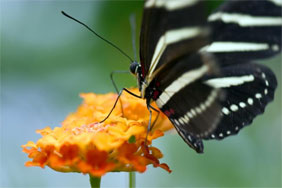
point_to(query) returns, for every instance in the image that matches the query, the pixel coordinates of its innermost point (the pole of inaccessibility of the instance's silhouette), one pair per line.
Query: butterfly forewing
(246, 30)
(170, 29)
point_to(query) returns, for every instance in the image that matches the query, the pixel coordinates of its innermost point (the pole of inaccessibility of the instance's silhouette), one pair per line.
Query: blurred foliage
(47, 60)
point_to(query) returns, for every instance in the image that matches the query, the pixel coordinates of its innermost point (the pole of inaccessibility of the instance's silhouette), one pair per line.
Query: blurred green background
(47, 60)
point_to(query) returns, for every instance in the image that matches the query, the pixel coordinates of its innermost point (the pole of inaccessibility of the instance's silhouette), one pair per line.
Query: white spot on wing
(189, 138)
(250, 101)
(234, 107)
(225, 111)
(193, 112)
(190, 115)
(181, 121)
(242, 104)
(258, 96)
(177, 123)
(203, 107)
(198, 110)
(187, 118)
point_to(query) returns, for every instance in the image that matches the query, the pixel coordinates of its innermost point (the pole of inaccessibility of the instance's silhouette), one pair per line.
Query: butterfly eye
(134, 67)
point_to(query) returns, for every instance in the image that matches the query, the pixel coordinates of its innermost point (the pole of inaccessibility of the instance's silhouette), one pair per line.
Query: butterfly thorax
(146, 92)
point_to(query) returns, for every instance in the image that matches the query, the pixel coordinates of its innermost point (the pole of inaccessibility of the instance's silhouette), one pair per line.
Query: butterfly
(200, 70)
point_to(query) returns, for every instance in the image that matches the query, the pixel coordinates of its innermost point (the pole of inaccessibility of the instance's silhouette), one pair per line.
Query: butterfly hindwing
(248, 89)
(198, 113)
(191, 105)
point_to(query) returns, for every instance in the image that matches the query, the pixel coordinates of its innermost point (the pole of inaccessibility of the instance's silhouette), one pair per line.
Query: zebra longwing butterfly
(200, 71)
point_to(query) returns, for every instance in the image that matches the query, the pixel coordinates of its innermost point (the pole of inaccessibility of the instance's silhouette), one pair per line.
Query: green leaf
(132, 139)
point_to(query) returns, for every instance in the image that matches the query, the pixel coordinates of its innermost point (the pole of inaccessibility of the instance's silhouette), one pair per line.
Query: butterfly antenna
(132, 20)
(110, 43)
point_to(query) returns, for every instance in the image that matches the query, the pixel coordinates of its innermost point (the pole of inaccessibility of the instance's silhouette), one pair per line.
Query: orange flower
(82, 144)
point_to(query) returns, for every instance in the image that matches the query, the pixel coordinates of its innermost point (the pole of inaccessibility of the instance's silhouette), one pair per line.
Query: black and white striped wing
(245, 30)
(193, 106)
(206, 96)
(248, 89)
(170, 29)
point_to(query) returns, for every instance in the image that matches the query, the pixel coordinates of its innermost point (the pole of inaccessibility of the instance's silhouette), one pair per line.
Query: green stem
(94, 181)
(132, 179)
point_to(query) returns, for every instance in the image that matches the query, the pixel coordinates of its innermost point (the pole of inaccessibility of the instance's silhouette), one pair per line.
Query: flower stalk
(95, 182)
(132, 179)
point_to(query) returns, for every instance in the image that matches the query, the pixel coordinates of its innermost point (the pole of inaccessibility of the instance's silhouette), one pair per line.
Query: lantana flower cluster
(83, 144)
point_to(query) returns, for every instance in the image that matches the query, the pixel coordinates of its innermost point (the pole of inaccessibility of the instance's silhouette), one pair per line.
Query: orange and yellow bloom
(82, 144)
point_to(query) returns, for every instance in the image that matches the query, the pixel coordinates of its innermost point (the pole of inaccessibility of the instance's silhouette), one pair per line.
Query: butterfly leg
(156, 117)
(149, 124)
(119, 94)
(115, 85)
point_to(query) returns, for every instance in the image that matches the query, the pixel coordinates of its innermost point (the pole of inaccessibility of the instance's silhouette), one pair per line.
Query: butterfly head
(134, 66)
(135, 69)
